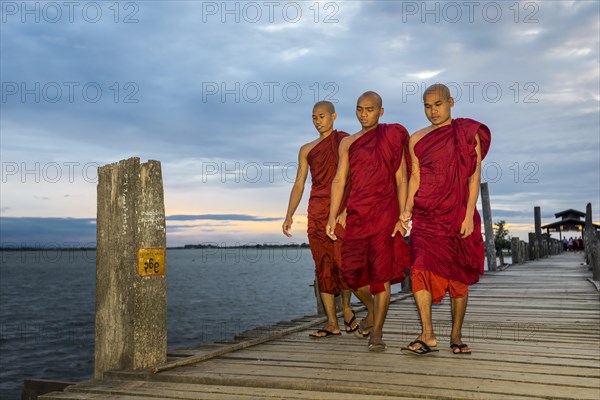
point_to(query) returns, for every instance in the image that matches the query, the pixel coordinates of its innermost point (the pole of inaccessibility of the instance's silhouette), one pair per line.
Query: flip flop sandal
(326, 333)
(460, 348)
(377, 345)
(421, 351)
(363, 332)
(349, 328)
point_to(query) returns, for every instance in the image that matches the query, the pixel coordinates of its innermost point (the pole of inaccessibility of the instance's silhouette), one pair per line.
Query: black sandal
(363, 332)
(460, 347)
(349, 328)
(421, 351)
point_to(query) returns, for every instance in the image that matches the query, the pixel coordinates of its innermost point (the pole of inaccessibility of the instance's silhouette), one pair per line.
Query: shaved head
(372, 95)
(326, 104)
(437, 88)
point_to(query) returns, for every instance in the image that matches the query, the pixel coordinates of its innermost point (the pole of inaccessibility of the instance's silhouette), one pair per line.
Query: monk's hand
(330, 228)
(405, 219)
(467, 227)
(399, 228)
(287, 225)
(341, 219)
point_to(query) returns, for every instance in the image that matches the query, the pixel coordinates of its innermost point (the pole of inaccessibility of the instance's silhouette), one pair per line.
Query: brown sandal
(377, 344)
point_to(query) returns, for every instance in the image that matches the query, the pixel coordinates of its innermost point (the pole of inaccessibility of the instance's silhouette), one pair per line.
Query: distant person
(374, 252)
(447, 251)
(321, 157)
(580, 244)
(570, 244)
(565, 243)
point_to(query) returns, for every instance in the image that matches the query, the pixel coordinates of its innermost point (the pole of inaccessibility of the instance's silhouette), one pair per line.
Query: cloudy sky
(221, 93)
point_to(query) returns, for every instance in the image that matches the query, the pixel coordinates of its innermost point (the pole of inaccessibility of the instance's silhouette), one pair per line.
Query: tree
(501, 239)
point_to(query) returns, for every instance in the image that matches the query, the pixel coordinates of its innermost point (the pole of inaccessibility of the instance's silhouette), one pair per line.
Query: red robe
(370, 255)
(447, 158)
(327, 254)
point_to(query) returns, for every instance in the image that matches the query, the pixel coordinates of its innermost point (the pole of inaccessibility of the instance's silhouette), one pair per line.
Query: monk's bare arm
(402, 191)
(338, 185)
(474, 181)
(402, 179)
(297, 190)
(413, 183)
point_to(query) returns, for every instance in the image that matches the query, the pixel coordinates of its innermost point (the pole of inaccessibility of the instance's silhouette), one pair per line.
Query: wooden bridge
(534, 330)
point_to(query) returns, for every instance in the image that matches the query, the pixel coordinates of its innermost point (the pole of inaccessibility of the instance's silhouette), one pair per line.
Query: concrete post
(131, 307)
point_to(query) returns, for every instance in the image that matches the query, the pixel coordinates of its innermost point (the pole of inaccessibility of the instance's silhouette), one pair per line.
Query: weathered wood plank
(168, 390)
(435, 368)
(496, 353)
(382, 383)
(534, 330)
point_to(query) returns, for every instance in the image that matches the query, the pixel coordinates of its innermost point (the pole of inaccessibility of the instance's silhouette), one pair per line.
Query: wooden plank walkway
(534, 330)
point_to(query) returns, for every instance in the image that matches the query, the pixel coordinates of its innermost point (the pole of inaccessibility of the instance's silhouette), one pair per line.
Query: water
(47, 304)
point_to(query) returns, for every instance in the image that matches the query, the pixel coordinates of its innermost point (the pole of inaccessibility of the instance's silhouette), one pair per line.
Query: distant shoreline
(244, 246)
(185, 247)
(45, 248)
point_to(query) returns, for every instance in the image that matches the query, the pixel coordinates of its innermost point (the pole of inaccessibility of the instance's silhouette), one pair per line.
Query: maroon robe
(327, 254)
(370, 255)
(447, 158)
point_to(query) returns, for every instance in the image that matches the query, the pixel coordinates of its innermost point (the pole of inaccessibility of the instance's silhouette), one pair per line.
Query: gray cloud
(81, 232)
(218, 217)
(543, 59)
(47, 232)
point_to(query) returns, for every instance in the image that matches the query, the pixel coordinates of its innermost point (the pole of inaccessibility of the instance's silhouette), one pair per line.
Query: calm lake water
(47, 304)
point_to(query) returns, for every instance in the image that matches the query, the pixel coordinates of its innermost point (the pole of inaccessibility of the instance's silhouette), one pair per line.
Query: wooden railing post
(131, 306)
(514, 249)
(407, 284)
(533, 250)
(537, 216)
(591, 244)
(490, 246)
(320, 308)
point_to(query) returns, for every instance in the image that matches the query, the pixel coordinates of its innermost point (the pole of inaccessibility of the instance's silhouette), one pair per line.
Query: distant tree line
(245, 246)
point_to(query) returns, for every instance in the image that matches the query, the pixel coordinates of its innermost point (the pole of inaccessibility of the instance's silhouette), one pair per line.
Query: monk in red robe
(321, 157)
(447, 249)
(375, 159)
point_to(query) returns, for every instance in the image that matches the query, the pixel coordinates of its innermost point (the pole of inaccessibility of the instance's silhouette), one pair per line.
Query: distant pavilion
(570, 221)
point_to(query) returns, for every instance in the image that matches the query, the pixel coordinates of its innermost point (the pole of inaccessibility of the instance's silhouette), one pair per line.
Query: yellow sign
(151, 262)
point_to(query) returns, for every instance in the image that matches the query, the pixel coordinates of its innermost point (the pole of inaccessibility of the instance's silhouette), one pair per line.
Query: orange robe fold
(447, 158)
(371, 256)
(327, 254)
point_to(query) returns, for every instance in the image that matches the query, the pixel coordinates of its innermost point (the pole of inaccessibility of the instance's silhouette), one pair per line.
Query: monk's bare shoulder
(346, 142)
(418, 135)
(306, 148)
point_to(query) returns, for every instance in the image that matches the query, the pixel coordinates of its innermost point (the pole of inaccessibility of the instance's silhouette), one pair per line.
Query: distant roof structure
(570, 221)
(570, 213)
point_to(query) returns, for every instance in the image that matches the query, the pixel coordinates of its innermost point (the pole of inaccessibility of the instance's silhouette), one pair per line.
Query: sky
(221, 93)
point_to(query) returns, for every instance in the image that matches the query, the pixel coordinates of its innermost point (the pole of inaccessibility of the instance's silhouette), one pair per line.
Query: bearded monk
(321, 157)
(374, 256)
(446, 244)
